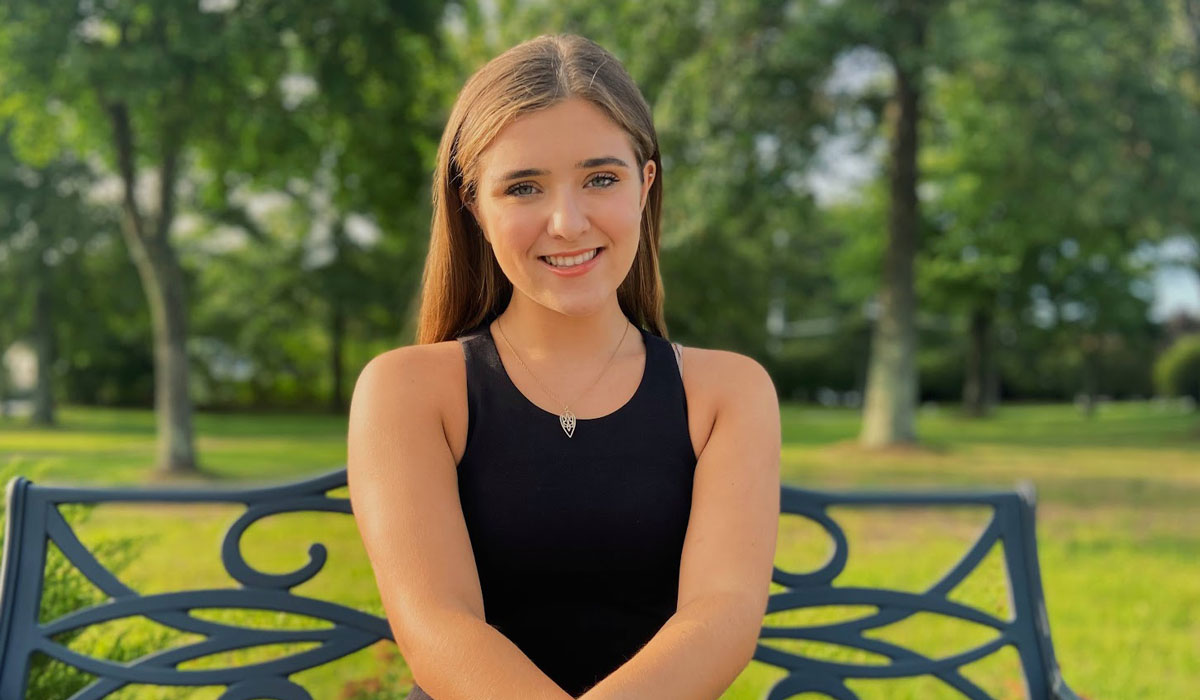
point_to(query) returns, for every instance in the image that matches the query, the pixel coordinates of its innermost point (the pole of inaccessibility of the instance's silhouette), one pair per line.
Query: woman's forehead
(557, 137)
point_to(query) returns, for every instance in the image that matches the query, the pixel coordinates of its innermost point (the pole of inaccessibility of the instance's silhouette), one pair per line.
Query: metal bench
(34, 519)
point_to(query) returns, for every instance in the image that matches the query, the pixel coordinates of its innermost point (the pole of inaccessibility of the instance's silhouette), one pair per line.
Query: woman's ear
(649, 170)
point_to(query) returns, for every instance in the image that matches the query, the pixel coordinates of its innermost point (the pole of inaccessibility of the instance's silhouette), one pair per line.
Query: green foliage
(940, 367)
(1056, 140)
(103, 327)
(315, 288)
(339, 105)
(66, 589)
(51, 237)
(1177, 371)
(803, 367)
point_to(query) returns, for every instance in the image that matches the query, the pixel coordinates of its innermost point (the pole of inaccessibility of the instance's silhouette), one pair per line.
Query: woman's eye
(603, 180)
(523, 189)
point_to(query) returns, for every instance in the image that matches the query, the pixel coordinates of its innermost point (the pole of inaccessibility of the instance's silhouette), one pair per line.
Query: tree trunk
(4, 345)
(977, 377)
(172, 398)
(162, 282)
(890, 407)
(336, 291)
(991, 374)
(1091, 358)
(43, 330)
(337, 339)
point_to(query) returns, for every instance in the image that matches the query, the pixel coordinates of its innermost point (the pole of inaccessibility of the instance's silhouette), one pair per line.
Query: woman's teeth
(571, 261)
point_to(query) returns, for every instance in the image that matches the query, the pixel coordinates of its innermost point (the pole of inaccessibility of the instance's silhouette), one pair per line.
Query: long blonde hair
(462, 285)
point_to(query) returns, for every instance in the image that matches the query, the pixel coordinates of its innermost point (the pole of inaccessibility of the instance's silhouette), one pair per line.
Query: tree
(44, 223)
(1045, 164)
(156, 86)
(906, 35)
(364, 103)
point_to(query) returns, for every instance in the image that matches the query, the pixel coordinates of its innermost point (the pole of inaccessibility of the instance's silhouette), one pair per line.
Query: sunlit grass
(1118, 529)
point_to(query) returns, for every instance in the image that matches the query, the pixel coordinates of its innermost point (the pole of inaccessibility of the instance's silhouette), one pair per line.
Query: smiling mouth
(567, 262)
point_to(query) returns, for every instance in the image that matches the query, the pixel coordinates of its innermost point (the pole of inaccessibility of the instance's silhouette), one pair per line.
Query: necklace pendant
(567, 421)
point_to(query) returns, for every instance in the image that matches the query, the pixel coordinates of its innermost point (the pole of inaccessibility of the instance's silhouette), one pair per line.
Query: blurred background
(961, 235)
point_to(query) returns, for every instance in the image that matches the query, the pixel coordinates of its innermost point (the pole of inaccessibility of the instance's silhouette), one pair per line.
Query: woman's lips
(574, 270)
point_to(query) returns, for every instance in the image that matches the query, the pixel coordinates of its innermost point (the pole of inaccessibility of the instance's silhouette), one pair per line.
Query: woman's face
(563, 181)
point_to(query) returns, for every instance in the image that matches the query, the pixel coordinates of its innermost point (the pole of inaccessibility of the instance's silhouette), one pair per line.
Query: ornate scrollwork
(816, 589)
(832, 568)
(349, 631)
(237, 566)
(34, 519)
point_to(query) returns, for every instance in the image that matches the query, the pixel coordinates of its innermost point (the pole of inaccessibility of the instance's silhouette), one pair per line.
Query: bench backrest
(1010, 524)
(34, 519)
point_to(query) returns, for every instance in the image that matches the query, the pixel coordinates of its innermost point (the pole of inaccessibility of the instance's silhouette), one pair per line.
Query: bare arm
(404, 492)
(728, 552)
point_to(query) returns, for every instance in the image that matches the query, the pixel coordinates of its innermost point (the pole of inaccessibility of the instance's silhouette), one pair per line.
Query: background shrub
(66, 589)
(1177, 372)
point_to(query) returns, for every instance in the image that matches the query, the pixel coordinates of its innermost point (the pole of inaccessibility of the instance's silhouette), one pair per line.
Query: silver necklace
(566, 419)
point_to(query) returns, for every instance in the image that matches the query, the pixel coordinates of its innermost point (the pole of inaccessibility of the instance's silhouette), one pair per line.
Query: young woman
(556, 501)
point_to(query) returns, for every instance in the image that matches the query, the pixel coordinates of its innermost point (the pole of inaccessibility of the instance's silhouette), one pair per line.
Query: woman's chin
(578, 306)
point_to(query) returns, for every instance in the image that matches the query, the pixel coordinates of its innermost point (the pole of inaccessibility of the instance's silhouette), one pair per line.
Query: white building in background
(19, 362)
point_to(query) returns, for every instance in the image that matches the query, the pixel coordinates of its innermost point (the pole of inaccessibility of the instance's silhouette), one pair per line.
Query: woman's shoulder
(717, 381)
(422, 372)
(721, 375)
(715, 361)
(419, 359)
(421, 384)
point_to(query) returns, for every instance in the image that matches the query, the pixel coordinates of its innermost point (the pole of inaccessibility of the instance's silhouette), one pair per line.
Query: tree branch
(123, 142)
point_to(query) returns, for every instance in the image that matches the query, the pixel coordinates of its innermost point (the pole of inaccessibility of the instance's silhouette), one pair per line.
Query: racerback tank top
(577, 540)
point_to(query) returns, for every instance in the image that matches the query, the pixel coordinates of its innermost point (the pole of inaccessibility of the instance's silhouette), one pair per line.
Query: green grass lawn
(1118, 532)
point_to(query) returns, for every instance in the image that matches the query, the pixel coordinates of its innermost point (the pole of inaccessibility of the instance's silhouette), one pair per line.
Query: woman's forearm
(696, 654)
(464, 658)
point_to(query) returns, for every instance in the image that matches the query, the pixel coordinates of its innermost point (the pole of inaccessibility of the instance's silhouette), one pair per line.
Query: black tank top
(577, 540)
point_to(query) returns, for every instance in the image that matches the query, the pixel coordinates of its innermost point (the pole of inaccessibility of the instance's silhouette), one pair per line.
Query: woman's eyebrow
(606, 160)
(589, 163)
(518, 174)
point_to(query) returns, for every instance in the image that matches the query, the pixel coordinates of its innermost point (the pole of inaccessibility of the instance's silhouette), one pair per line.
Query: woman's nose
(567, 219)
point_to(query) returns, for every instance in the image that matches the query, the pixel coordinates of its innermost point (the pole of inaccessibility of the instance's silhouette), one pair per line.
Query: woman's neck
(541, 334)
